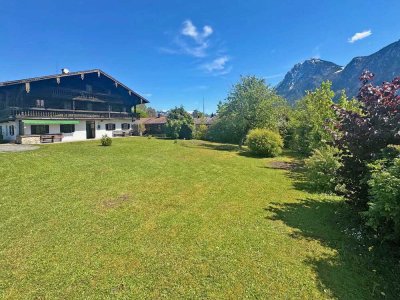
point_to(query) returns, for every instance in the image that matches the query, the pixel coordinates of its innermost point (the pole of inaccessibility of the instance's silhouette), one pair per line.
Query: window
(125, 126)
(39, 129)
(89, 88)
(40, 103)
(11, 130)
(67, 128)
(110, 126)
(1, 130)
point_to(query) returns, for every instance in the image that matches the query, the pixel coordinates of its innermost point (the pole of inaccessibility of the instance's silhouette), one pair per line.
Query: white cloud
(193, 49)
(217, 64)
(191, 31)
(360, 35)
(191, 41)
(198, 41)
(207, 30)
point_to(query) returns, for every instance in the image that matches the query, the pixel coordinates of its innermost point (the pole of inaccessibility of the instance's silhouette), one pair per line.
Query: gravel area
(16, 148)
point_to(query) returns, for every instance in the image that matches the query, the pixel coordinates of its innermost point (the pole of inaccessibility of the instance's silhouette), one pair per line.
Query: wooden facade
(85, 95)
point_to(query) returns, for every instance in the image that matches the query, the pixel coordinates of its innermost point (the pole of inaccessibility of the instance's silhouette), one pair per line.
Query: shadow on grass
(244, 151)
(221, 147)
(357, 269)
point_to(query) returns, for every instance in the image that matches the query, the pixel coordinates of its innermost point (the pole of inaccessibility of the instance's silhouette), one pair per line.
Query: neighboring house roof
(151, 121)
(80, 73)
(204, 121)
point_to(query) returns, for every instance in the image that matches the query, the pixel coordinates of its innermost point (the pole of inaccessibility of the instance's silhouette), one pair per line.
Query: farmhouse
(151, 126)
(69, 106)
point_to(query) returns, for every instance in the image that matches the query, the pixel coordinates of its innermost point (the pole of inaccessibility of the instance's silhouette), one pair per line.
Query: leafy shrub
(362, 136)
(186, 131)
(106, 140)
(311, 119)
(201, 132)
(265, 142)
(179, 124)
(250, 104)
(322, 169)
(383, 213)
(223, 130)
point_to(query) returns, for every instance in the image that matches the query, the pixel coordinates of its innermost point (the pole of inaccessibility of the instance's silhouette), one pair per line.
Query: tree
(361, 136)
(311, 120)
(179, 124)
(197, 114)
(251, 104)
(146, 112)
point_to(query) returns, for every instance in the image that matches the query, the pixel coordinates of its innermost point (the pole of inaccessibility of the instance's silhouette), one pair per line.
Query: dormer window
(39, 103)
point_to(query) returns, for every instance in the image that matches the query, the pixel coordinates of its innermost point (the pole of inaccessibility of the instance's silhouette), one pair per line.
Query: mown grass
(149, 218)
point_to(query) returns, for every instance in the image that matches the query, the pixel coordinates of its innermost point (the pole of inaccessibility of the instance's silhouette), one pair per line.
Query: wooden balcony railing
(41, 113)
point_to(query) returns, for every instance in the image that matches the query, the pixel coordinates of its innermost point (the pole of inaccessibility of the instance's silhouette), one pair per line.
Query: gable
(94, 85)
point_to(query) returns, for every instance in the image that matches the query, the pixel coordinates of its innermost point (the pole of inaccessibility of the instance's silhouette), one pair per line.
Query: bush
(223, 130)
(322, 169)
(383, 213)
(201, 132)
(106, 140)
(179, 124)
(363, 136)
(264, 142)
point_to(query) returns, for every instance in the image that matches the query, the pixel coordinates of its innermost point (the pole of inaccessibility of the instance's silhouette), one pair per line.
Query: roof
(150, 121)
(98, 71)
(205, 121)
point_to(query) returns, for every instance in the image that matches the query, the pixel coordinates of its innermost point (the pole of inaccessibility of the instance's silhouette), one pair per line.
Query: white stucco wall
(6, 130)
(78, 135)
(80, 129)
(100, 131)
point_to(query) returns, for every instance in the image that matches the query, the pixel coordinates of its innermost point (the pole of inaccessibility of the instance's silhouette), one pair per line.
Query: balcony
(43, 113)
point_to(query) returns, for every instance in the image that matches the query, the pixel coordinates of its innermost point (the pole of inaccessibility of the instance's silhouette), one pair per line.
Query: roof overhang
(50, 122)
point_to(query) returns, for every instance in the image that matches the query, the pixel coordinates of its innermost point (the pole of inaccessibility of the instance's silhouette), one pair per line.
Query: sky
(181, 52)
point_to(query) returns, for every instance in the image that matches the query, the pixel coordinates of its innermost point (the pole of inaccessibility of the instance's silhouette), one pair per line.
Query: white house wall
(80, 129)
(5, 128)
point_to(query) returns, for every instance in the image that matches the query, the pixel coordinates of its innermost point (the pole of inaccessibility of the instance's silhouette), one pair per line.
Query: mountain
(308, 75)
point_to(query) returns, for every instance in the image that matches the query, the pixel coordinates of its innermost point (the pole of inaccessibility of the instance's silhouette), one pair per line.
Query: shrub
(310, 121)
(106, 140)
(383, 214)
(186, 131)
(362, 136)
(223, 130)
(173, 128)
(179, 124)
(201, 132)
(265, 142)
(322, 169)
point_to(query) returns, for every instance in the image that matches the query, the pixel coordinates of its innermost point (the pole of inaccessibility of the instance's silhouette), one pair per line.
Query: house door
(90, 130)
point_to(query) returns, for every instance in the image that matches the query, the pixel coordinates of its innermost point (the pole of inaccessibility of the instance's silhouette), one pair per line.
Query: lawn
(148, 218)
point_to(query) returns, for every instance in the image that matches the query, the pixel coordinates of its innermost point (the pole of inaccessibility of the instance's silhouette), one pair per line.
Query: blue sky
(177, 52)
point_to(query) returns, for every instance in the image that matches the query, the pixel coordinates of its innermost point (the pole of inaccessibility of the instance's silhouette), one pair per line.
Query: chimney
(158, 115)
(64, 71)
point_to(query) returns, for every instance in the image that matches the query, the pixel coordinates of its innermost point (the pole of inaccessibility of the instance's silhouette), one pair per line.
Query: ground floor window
(110, 126)
(125, 126)
(11, 129)
(39, 129)
(67, 128)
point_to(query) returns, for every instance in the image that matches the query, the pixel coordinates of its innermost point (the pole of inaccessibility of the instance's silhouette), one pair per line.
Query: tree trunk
(242, 140)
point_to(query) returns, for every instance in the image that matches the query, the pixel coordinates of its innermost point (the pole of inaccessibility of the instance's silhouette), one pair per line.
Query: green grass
(148, 218)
